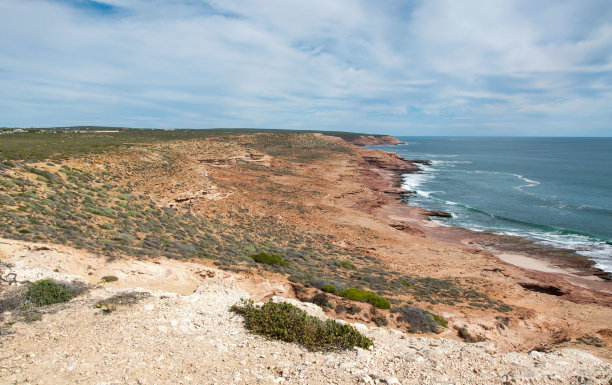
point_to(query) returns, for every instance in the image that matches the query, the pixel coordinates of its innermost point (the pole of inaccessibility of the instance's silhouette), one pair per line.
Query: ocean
(555, 191)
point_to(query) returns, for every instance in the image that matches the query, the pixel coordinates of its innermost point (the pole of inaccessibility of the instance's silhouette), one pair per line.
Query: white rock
(149, 307)
(391, 381)
(360, 327)
(413, 357)
(363, 355)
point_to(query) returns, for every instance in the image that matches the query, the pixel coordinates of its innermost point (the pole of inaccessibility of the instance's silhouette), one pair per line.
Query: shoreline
(334, 211)
(544, 263)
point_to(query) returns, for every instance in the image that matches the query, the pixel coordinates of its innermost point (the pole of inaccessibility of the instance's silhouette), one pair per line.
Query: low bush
(380, 320)
(353, 309)
(48, 291)
(418, 320)
(439, 319)
(12, 298)
(268, 259)
(330, 289)
(122, 299)
(108, 278)
(321, 300)
(591, 340)
(285, 322)
(348, 265)
(465, 334)
(361, 295)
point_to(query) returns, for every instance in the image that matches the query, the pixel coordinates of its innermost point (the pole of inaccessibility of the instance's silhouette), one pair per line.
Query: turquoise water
(556, 191)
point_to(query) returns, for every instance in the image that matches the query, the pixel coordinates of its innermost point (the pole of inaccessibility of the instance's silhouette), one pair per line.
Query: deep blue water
(555, 190)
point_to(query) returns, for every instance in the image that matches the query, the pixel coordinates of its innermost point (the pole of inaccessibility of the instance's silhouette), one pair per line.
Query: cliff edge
(163, 337)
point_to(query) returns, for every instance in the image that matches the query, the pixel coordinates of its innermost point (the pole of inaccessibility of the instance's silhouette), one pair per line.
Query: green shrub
(109, 278)
(268, 259)
(330, 289)
(361, 295)
(348, 265)
(47, 292)
(285, 322)
(439, 319)
(106, 307)
(465, 334)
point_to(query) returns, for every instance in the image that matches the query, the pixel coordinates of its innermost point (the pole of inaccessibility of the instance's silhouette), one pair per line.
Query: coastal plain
(160, 215)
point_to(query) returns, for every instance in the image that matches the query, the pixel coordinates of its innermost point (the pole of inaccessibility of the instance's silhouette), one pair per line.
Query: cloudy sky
(431, 67)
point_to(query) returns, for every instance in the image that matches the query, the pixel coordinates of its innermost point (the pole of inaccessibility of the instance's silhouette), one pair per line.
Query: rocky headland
(173, 222)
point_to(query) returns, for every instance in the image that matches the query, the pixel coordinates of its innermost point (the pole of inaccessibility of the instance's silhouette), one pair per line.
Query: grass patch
(361, 295)
(268, 259)
(285, 322)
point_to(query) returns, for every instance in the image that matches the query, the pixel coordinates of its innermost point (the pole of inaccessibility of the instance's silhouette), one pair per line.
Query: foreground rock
(168, 338)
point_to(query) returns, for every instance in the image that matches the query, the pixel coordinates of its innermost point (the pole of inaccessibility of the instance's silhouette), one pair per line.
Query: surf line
(530, 183)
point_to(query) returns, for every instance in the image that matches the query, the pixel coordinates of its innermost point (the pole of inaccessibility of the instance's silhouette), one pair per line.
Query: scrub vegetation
(44, 197)
(285, 322)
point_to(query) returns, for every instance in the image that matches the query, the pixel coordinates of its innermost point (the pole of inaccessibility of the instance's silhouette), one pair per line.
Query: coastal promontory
(148, 241)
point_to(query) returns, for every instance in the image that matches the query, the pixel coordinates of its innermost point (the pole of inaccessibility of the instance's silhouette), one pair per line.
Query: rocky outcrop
(437, 213)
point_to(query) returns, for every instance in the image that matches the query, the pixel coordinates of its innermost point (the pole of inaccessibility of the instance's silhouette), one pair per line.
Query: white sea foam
(413, 181)
(427, 194)
(430, 156)
(530, 182)
(597, 251)
(449, 163)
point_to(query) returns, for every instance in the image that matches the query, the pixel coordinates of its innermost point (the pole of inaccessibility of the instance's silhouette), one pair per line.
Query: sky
(434, 67)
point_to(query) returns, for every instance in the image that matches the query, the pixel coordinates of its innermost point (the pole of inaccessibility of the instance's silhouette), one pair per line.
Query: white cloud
(305, 64)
